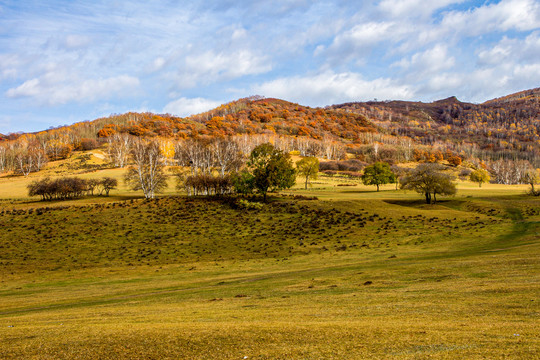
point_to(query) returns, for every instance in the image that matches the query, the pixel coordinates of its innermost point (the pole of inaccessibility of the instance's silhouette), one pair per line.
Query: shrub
(204, 184)
(88, 144)
(352, 165)
(464, 174)
(248, 205)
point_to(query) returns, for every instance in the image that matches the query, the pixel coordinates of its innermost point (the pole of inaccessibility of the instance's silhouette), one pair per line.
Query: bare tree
(196, 154)
(107, 184)
(148, 173)
(39, 155)
(3, 159)
(25, 161)
(227, 155)
(118, 148)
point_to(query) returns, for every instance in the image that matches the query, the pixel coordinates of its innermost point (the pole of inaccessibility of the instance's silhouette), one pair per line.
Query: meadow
(356, 274)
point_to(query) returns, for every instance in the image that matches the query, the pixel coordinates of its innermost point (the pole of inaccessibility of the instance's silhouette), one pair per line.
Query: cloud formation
(189, 106)
(332, 88)
(57, 88)
(74, 59)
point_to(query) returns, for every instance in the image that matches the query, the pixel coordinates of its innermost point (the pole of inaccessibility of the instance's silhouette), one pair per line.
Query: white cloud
(223, 65)
(190, 106)
(357, 41)
(158, 64)
(56, 88)
(239, 34)
(413, 8)
(512, 50)
(521, 15)
(76, 41)
(329, 87)
(10, 65)
(430, 61)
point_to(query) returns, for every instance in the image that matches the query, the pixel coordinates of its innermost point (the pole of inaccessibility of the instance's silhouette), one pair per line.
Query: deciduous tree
(428, 179)
(148, 172)
(479, 176)
(308, 167)
(378, 174)
(270, 169)
(532, 177)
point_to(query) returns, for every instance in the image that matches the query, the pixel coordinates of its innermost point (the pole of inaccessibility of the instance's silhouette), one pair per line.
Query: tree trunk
(306, 181)
(428, 198)
(377, 187)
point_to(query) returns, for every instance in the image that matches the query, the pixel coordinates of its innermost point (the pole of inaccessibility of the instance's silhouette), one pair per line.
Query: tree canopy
(268, 169)
(429, 179)
(480, 176)
(378, 174)
(308, 167)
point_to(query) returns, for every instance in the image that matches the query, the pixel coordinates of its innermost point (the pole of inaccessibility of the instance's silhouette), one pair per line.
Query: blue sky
(68, 61)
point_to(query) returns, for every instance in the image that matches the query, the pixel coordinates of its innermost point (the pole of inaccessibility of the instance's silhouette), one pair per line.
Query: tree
(428, 179)
(91, 185)
(480, 176)
(378, 174)
(308, 167)
(532, 177)
(454, 160)
(119, 146)
(107, 184)
(227, 155)
(270, 169)
(3, 158)
(398, 172)
(243, 182)
(148, 173)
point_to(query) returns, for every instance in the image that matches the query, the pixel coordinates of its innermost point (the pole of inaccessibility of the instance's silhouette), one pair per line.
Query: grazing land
(354, 274)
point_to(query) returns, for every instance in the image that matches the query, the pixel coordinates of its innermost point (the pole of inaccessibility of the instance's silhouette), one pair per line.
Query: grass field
(354, 275)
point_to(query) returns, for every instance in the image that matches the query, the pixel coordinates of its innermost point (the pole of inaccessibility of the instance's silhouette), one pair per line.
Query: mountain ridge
(506, 127)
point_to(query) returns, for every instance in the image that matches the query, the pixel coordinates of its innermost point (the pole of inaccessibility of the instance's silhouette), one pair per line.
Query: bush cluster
(352, 165)
(70, 187)
(350, 174)
(249, 205)
(204, 184)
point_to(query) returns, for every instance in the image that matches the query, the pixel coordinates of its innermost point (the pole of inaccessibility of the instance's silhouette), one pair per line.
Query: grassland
(356, 274)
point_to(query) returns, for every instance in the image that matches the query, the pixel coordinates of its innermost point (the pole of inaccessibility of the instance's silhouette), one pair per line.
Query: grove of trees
(70, 187)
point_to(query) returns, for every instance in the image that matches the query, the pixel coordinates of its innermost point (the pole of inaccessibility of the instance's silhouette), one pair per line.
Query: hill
(249, 116)
(506, 127)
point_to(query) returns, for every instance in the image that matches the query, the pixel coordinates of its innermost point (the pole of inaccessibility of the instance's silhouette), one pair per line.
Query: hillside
(245, 116)
(507, 126)
(185, 278)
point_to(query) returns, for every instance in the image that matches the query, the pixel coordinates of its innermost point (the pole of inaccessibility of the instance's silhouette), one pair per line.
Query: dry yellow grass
(170, 279)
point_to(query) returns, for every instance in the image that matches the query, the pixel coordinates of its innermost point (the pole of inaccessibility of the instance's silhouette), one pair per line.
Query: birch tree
(148, 172)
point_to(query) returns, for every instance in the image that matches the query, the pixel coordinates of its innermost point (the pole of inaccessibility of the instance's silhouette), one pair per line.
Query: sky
(67, 61)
